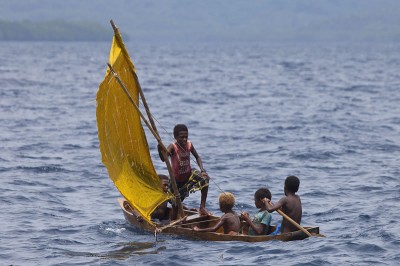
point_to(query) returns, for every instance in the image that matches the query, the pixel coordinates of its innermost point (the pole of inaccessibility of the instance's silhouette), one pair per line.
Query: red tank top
(180, 161)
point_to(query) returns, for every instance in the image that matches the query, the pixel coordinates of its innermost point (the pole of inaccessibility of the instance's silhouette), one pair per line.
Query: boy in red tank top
(187, 179)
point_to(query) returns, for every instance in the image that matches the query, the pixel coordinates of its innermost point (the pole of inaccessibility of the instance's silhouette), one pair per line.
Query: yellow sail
(123, 143)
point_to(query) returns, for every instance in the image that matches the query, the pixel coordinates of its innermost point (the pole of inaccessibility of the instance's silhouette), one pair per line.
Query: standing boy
(290, 204)
(187, 179)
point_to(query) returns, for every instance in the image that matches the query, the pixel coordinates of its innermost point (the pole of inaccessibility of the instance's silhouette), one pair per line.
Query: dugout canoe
(184, 229)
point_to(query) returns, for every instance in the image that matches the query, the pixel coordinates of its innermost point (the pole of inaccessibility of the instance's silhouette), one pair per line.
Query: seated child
(161, 212)
(261, 221)
(229, 221)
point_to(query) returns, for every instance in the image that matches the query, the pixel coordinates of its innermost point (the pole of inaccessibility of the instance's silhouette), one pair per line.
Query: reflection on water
(123, 251)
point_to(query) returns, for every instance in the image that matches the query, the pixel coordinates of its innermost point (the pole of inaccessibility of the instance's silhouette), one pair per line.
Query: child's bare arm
(259, 229)
(220, 222)
(170, 151)
(198, 159)
(273, 207)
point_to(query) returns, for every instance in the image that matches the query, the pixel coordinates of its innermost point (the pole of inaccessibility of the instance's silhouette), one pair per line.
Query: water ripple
(327, 113)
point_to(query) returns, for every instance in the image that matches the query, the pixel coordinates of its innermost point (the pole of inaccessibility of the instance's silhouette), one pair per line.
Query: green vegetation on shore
(53, 31)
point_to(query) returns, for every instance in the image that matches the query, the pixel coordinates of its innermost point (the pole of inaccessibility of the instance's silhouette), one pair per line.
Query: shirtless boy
(290, 204)
(229, 221)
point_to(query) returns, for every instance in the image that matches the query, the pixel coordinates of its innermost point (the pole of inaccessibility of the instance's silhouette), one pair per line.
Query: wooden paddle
(293, 222)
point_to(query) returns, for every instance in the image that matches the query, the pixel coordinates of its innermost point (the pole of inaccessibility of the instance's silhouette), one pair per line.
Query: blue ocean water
(256, 113)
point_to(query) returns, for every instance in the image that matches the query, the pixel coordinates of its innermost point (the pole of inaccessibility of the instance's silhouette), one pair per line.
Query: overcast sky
(224, 20)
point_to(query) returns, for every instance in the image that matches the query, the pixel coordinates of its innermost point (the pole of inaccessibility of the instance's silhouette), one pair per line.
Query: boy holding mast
(187, 179)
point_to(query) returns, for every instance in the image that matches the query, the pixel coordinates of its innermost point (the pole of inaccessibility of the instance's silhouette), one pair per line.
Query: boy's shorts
(277, 230)
(195, 182)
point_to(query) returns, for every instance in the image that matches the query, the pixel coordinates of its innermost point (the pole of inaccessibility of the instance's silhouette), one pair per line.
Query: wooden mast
(152, 127)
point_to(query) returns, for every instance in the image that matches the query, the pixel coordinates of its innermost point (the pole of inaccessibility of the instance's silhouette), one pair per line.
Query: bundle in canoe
(126, 155)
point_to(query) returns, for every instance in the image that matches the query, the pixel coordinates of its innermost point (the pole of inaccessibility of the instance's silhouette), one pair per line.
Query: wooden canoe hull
(185, 229)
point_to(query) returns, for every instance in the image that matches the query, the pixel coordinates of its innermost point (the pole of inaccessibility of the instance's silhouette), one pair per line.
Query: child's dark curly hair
(178, 128)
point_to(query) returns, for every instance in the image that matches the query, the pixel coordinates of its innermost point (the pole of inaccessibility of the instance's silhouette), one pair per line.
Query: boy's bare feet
(204, 212)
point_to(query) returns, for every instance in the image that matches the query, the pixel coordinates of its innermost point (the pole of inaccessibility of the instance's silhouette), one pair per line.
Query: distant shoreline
(53, 31)
(77, 31)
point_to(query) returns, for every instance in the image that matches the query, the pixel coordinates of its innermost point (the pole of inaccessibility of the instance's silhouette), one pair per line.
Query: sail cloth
(123, 143)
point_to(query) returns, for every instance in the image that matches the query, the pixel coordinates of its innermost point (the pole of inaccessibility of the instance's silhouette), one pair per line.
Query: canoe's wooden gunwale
(186, 231)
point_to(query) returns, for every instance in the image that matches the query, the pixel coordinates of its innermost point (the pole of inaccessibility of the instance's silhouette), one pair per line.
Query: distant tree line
(53, 31)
